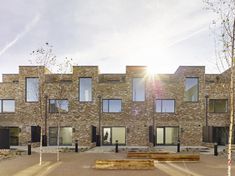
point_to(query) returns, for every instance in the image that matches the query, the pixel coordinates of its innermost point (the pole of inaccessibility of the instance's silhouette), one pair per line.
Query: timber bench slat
(164, 157)
(125, 164)
(143, 154)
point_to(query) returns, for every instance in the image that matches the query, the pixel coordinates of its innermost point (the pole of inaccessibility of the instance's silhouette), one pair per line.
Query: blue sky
(163, 34)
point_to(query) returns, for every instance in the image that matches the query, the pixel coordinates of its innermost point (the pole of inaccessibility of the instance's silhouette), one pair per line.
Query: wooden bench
(144, 154)
(165, 156)
(125, 164)
(175, 157)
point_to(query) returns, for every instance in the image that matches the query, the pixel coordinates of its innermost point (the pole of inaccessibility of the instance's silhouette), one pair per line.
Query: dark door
(220, 135)
(14, 135)
(93, 134)
(4, 139)
(35, 133)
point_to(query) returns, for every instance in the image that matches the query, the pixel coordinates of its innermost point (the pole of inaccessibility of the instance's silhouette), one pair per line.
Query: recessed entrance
(111, 134)
(167, 135)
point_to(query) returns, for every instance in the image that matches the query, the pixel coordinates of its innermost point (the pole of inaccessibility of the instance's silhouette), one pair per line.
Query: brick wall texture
(136, 117)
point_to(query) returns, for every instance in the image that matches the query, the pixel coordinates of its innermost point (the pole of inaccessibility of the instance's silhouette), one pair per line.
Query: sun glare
(151, 69)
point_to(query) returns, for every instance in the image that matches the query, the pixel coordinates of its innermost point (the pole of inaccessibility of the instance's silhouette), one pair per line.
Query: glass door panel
(106, 136)
(160, 136)
(171, 135)
(119, 133)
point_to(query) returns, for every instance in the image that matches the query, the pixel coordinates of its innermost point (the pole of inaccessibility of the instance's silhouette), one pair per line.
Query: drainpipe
(99, 134)
(45, 136)
(206, 96)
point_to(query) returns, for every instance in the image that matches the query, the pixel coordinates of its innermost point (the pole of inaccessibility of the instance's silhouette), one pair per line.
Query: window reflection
(138, 89)
(85, 89)
(191, 89)
(112, 105)
(32, 89)
(56, 106)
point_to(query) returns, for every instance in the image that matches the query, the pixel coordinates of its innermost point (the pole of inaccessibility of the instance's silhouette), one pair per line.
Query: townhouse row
(135, 108)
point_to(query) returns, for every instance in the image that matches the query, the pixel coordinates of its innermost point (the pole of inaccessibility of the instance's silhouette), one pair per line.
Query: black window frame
(1, 110)
(214, 100)
(161, 106)
(108, 105)
(52, 112)
(192, 77)
(26, 89)
(79, 95)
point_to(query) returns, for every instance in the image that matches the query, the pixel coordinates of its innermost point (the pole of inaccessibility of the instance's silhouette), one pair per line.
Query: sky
(162, 34)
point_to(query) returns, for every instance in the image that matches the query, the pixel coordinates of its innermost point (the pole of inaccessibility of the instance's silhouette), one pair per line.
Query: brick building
(135, 108)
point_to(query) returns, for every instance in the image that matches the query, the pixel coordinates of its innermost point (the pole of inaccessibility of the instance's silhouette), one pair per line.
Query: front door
(112, 134)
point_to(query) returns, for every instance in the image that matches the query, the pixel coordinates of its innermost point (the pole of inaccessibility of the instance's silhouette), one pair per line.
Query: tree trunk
(231, 105)
(58, 142)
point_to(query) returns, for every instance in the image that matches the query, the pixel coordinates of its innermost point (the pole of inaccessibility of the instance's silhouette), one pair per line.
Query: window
(138, 89)
(32, 89)
(191, 89)
(7, 106)
(56, 106)
(65, 134)
(85, 89)
(112, 105)
(218, 105)
(167, 106)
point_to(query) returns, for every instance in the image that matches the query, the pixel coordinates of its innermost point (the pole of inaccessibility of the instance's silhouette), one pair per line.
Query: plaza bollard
(116, 146)
(215, 149)
(29, 147)
(178, 146)
(76, 146)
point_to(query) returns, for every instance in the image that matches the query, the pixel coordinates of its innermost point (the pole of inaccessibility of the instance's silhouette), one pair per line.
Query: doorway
(167, 135)
(65, 136)
(111, 134)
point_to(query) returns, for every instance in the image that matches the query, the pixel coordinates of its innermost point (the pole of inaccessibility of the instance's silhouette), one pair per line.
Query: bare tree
(63, 68)
(42, 57)
(224, 27)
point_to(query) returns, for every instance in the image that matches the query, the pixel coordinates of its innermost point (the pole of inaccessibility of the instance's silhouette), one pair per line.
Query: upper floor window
(218, 105)
(56, 106)
(85, 89)
(138, 89)
(32, 89)
(191, 89)
(166, 106)
(7, 106)
(112, 105)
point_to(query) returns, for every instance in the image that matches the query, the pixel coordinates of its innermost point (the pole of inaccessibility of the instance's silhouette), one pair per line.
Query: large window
(85, 89)
(7, 106)
(32, 89)
(65, 134)
(167, 135)
(191, 89)
(166, 106)
(138, 89)
(56, 106)
(112, 105)
(218, 105)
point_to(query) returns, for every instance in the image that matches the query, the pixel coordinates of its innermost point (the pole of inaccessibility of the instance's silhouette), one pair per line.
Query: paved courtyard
(81, 164)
